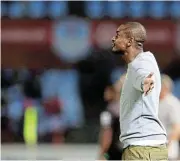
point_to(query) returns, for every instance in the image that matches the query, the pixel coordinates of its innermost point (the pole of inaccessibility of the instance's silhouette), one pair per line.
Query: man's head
(128, 35)
(167, 85)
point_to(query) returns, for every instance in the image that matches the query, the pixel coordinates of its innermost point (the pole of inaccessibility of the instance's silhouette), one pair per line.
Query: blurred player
(169, 114)
(110, 146)
(142, 134)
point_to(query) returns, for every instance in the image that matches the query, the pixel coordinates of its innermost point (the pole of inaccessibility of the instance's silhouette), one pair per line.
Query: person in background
(110, 146)
(169, 114)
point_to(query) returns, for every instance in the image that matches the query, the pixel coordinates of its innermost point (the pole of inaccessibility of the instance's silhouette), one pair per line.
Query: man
(169, 114)
(142, 134)
(110, 146)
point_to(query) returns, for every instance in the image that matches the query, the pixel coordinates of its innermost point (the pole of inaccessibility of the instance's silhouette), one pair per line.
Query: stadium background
(56, 59)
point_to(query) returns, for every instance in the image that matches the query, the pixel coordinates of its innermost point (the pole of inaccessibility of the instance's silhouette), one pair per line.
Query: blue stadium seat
(175, 10)
(176, 89)
(116, 9)
(57, 9)
(94, 9)
(4, 9)
(137, 9)
(158, 9)
(37, 9)
(16, 10)
(49, 83)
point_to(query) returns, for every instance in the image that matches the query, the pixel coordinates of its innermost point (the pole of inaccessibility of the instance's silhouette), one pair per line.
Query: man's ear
(130, 40)
(128, 44)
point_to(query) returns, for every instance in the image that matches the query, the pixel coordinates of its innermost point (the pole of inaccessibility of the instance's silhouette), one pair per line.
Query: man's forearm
(105, 140)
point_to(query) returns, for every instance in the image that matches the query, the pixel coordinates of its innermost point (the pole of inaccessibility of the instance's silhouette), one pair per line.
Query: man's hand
(101, 157)
(148, 84)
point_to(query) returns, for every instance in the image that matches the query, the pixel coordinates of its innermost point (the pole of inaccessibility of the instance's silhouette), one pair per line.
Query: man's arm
(143, 77)
(105, 137)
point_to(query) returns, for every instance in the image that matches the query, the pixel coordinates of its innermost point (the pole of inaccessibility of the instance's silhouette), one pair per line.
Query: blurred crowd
(64, 99)
(54, 94)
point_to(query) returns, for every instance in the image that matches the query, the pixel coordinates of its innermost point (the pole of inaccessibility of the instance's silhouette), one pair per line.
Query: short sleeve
(105, 119)
(140, 70)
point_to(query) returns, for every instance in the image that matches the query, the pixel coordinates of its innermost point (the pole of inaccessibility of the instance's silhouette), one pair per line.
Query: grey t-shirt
(139, 120)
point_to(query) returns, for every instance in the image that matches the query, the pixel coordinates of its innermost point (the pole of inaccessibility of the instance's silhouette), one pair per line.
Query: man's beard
(118, 52)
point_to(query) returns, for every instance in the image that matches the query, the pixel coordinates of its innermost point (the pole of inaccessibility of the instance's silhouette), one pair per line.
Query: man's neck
(129, 57)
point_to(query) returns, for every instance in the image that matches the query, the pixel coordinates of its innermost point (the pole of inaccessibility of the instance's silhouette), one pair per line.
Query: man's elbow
(175, 134)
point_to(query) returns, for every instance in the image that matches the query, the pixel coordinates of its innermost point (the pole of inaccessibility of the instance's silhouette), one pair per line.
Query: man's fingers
(148, 84)
(148, 92)
(150, 75)
(149, 79)
(149, 89)
(152, 85)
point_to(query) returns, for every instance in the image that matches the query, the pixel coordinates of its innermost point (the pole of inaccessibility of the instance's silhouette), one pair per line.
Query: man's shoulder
(144, 60)
(145, 56)
(173, 101)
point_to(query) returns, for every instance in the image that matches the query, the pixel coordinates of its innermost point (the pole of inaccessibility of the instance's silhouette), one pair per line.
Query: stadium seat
(137, 9)
(16, 10)
(176, 89)
(116, 9)
(69, 94)
(158, 9)
(57, 9)
(94, 9)
(49, 83)
(37, 9)
(175, 10)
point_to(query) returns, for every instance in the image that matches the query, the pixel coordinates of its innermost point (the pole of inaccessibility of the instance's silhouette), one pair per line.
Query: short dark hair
(135, 30)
